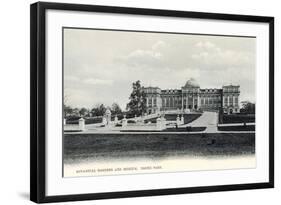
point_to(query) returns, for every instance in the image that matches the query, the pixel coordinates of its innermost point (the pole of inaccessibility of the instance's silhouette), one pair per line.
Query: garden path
(208, 120)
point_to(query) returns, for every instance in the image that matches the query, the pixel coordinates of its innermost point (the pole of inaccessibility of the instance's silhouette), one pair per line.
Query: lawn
(185, 129)
(237, 128)
(238, 118)
(81, 147)
(88, 120)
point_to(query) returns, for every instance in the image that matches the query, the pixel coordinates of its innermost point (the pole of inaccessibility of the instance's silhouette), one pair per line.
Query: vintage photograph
(141, 102)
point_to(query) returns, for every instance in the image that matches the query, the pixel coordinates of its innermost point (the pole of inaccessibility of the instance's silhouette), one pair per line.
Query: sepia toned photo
(139, 102)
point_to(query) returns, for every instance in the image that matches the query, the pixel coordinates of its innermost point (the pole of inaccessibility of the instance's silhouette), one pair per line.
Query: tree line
(248, 107)
(98, 110)
(135, 107)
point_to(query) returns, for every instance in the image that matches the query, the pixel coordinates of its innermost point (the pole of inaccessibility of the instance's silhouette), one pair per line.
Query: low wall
(132, 127)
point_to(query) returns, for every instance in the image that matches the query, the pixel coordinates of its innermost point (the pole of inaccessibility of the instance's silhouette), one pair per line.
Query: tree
(99, 110)
(67, 110)
(115, 109)
(83, 111)
(75, 112)
(248, 107)
(137, 104)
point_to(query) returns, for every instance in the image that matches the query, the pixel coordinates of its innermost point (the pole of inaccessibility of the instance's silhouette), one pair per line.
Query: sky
(101, 65)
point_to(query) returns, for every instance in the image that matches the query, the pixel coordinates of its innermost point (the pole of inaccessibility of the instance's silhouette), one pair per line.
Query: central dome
(191, 83)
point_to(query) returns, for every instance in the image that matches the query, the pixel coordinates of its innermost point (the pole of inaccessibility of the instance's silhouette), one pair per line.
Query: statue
(108, 116)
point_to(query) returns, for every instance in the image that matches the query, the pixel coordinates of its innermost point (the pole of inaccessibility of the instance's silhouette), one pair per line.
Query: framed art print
(129, 102)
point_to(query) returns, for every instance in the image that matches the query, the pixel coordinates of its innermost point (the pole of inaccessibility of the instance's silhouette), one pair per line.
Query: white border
(56, 185)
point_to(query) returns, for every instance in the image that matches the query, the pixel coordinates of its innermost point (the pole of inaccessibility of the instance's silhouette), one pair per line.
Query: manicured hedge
(88, 120)
(237, 128)
(238, 118)
(185, 129)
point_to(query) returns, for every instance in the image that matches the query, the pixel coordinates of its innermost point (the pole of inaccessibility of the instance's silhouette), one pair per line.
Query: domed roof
(191, 83)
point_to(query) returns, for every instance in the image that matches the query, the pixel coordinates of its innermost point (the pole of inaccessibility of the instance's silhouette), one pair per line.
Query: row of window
(230, 104)
(232, 89)
(191, 90)
(207, 101)
(230, 100)
(150, 101)
(211, 105)
(170, 102)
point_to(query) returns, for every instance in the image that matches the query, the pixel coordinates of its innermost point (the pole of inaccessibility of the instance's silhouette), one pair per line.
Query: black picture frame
(38, 100)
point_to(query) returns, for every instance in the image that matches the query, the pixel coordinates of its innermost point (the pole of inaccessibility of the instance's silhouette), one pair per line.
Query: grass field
(238, 128)
(185, 129)
(84, 147)
(174, 129)
(238, 118)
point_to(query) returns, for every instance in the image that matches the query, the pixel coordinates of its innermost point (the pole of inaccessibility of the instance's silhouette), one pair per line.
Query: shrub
(131, 121)
(237, 128)
(238, 118)
(88, 120)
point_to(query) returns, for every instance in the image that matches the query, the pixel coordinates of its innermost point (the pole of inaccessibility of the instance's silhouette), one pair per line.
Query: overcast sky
(100, 66)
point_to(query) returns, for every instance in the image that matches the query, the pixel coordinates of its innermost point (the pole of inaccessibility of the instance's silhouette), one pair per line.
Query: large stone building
(191, 97)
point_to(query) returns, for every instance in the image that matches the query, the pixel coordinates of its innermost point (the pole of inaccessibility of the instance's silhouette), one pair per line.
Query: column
(182, 101)
(228, 100)
(170, 101)
(204, 103)
(238, 102)
(192, 101)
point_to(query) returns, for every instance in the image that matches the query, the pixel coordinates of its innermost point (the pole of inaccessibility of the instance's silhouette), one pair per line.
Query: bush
(131, 121)
(88, 120)
(185, 129)
(72, 118)
(238, 118)
(237, 128)
(93, 120)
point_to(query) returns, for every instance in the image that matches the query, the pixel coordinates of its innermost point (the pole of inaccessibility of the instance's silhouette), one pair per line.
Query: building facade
(191, 97)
